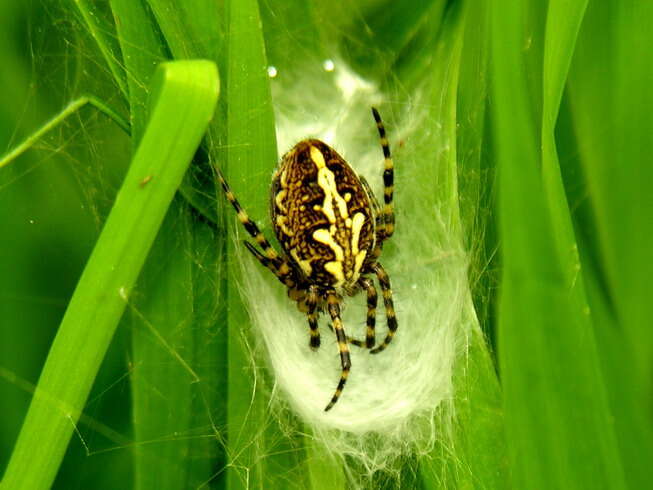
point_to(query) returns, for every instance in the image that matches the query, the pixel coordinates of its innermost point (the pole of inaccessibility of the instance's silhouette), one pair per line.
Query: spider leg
(388, 227)
(286, 278)
(376, 207)
(372, 297)
(384, 281)
(311, 301)
(251, 227)
(378, 224)
(334, 310)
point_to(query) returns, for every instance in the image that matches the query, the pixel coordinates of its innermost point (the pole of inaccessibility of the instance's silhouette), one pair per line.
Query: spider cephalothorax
(331, 229)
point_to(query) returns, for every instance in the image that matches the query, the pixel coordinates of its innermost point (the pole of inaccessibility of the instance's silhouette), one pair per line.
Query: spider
(331, 228)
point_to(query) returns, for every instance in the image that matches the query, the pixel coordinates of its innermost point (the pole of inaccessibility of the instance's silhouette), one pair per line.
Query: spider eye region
(322, 215)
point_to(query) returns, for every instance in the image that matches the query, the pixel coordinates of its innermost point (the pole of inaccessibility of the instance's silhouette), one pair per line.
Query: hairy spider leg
(376, 207)
(311, 302)
(285, 279)
(372, 297)
(378, 224)
(281, 266)
(384, 282)
(388, 227)
(333, 305)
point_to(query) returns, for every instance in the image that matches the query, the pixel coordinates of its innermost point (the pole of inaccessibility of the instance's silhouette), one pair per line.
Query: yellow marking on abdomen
(356, 226)
(335, 269)
(284, 178)
(327, 182)
(305, 265)
(358, 263)
(317, 157)
(323, 236)
(281, 223)
(278, 199)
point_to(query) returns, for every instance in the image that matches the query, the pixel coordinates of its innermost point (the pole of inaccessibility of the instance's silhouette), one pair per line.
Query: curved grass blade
(195, 29)
(185, 95)
(70, 109)
(178, 341)
(142, 49)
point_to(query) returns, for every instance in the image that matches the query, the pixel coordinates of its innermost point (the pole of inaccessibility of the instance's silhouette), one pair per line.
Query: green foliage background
(551, 104)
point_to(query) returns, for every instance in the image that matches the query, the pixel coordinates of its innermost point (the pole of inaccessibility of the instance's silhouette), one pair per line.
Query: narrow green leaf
(563, 22)
(192, 29)
(102, 32)
(142, 49)
(175, 339)
(251, 150)
(472, 453)
(69, 110)
(99, 300)
(195, 29)
(389, 28)
(173, 344)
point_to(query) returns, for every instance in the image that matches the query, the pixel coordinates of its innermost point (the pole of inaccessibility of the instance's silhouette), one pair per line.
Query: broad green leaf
(555, 406)
(608, 97)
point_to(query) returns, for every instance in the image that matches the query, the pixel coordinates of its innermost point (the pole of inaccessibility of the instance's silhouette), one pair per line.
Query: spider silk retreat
(331, 229)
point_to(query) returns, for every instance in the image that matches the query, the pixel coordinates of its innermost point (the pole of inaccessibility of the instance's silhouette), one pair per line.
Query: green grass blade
(473, 452)
(183, 105)
(102, 32)
(563, 23)
(251, 148)
(609, 91)
(175, 345)
(192, 28)
(556, 412)
(480, 429)
(176, 341)
(142, 49)
(69, 110)
(627, 232)
(195, 29)
(385, 31)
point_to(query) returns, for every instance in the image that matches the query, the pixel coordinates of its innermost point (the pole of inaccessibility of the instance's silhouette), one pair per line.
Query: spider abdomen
(322, 215)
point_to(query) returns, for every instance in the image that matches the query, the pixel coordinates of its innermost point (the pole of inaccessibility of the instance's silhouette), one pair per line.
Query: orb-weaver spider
(331, 229)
